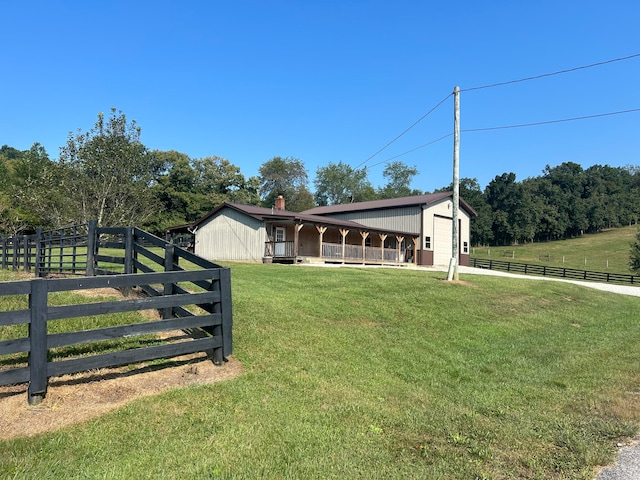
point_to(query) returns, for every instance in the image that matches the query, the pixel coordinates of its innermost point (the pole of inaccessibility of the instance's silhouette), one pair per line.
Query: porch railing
(279, 249)
(333, 251)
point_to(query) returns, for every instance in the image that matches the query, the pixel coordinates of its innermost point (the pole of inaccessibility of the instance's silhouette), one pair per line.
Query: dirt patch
(76, 398)
(459, 282)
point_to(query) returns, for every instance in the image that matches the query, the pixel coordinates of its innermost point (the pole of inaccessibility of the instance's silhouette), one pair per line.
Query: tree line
(108, 174)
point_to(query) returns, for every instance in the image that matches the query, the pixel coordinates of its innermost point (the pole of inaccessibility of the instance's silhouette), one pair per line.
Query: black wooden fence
(557, 272)
(132, 262)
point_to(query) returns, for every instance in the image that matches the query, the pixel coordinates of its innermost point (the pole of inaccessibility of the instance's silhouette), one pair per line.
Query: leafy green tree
(31, 194)
(513, 215)
(551, 222)
(287, 177)
(338, 183)
(634, 257)
(570, 178)
(399, 177)
(221, 181)
(35, 191)
(175, 192)
(109, 173)
(188, 189)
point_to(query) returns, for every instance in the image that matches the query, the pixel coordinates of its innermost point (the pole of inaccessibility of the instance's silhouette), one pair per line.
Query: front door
(280, 241)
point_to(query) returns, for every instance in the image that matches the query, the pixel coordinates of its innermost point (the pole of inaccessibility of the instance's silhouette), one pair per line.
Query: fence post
(92, 241)
(38, 341)
(128, 250)
(3, 260)
(74, 250)
(14, 258)
(38, 260)
(168, 286)
(25, 253)
(225, 310)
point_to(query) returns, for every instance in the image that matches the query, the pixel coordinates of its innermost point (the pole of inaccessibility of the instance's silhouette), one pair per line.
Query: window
(427, 243)
(465, 247)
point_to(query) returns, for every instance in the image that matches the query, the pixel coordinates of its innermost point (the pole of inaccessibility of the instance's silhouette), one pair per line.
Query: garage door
(442, 241)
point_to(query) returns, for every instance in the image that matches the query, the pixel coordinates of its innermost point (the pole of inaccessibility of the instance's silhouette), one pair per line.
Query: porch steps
(310, 260)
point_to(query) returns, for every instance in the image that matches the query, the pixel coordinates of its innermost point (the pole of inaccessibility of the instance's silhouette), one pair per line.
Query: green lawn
(381, 373)
(607, 251)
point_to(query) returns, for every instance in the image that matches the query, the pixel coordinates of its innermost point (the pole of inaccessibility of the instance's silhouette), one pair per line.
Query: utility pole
(453, 263)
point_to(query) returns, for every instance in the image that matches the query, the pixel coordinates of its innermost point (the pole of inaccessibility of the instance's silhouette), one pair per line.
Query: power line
(551, 74)
(412, 150)
(551, 121)
(405, 131)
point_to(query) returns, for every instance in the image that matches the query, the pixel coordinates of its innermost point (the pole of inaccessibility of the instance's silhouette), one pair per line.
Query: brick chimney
(280, 203)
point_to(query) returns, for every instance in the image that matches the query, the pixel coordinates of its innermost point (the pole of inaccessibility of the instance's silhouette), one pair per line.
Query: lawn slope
(606, 251)
(381, 373)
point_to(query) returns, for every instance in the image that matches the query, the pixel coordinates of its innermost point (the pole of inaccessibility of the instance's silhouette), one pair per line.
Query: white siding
(231, 235)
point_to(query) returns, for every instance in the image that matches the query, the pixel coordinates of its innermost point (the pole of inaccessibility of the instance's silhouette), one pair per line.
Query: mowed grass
(378, 373)
(606, 251)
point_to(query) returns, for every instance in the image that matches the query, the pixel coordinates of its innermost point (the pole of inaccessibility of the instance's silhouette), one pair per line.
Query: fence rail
(557, 272)
(169, 290)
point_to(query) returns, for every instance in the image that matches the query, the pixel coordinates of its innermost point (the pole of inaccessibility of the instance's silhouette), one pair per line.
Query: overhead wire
(551, 121)
(535, 77)
(405, 131)
(412, 150)
(559, 72)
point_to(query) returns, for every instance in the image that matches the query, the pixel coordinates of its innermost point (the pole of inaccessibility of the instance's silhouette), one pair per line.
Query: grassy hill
(381, 374)
(607, 251)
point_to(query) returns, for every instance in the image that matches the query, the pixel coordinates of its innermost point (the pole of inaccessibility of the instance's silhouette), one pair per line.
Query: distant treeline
(109, 175)
(565, 201)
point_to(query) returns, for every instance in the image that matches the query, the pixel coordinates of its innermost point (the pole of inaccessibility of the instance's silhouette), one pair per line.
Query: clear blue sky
(329, 80)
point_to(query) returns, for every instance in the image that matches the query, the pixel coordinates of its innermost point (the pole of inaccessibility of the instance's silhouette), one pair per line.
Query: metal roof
(427, 199)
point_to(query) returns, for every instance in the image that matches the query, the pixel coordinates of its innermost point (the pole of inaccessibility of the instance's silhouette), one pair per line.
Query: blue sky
(330, 81)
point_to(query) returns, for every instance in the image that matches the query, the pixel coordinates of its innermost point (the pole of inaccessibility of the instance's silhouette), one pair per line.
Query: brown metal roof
(427, 199)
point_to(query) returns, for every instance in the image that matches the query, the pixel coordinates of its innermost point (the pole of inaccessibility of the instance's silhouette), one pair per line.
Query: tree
(399, 177)
(287, 177)
(188, 189)
(338, 183)
(32, 197)
(221, 181)
(109, 173)
(634, 257)
(514, 218)
(570, 178)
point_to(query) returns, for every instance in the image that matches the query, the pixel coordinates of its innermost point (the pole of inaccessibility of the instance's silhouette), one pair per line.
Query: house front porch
(331, 244)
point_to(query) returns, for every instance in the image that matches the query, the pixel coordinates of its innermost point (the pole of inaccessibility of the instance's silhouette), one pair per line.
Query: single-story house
(414, 229)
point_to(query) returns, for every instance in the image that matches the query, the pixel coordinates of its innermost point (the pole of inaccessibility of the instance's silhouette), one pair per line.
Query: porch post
(321, 231)
(399, 239)
(415, 250)
(383, 237)
(344, 232)
(364, 236)
(296, 235)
